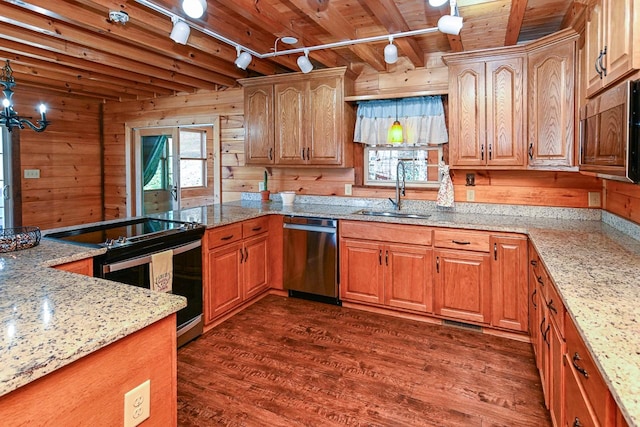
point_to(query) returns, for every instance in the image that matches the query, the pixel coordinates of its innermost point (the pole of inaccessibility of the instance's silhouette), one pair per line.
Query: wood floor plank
(291, 362)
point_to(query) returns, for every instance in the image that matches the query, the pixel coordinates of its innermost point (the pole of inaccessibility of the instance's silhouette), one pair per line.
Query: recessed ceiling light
(289, 40)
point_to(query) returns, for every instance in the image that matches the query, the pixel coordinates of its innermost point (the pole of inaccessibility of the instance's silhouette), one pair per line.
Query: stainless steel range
(130, 245)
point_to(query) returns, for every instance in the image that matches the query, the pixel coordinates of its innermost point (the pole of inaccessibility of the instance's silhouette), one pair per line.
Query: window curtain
(152, 149)
(422, 120)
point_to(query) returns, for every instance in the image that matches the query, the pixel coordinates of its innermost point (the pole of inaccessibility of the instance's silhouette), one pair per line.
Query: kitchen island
(594, 266)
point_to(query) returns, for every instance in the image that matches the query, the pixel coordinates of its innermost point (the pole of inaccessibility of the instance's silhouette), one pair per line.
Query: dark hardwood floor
(290, 362)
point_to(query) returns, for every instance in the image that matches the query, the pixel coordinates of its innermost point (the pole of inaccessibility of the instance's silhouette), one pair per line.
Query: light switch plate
(261, 186)
(471, 195)
(594, 199)
(31, 173)
(348, 190)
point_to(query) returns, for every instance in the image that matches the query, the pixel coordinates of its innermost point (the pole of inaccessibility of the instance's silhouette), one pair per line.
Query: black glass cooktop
(122, 232)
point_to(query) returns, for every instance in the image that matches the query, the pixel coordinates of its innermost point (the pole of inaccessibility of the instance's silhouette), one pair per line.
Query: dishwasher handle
(316, 228)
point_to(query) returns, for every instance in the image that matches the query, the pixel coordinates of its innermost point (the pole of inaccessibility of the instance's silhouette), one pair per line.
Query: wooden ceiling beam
(49, 28)
(390, 16)
(267, 16)
(335, 24)
(516, 16)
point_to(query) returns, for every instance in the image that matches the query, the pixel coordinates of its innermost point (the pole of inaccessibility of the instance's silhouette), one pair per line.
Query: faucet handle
(395, 205)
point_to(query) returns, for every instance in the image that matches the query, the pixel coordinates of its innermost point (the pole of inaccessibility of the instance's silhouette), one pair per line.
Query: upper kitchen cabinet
(299, 119)
(609, 48)
(486, 109)
(551, 75)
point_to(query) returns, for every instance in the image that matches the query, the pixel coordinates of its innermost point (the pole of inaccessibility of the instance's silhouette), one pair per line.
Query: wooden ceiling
(71, 46)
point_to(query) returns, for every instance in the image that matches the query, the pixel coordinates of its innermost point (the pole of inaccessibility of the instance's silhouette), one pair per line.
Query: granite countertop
(50, 318)
(595, 267)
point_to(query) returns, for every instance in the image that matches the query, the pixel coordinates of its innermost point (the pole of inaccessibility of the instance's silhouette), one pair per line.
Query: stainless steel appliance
(311, 258)
(130, 245)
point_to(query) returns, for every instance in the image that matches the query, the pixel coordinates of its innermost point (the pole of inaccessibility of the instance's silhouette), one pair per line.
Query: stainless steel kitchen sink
(391, 214)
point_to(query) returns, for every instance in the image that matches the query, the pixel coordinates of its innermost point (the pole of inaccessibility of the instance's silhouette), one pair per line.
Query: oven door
(187, 282)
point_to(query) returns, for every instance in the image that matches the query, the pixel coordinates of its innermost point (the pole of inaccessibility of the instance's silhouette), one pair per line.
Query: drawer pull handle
(230, 236)
(495, 251)
(256, 228)
(534, 263)
(241, 256)
(386, 258)
(460, 242)
(533, 298)
(380, 257)
(437, 264)
(531, 151)
(580, 369)
(552, 307)
(246, 254)
(577, 423)
(546, 332)
(539, 278)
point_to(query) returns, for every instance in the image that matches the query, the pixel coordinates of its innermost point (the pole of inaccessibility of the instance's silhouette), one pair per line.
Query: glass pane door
(6, 202)
(158, 175)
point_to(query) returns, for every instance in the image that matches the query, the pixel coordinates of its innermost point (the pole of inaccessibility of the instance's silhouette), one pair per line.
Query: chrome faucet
(399, 187)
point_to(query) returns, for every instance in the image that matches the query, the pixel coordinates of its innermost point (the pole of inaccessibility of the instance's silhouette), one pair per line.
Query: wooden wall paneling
(622, 199)
(68, 155)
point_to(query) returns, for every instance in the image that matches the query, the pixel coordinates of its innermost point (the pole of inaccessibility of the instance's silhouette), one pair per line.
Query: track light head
(437, 3)
(303, 62)
(390, 52)
(243, 60)
(180, 32)
(194, 8)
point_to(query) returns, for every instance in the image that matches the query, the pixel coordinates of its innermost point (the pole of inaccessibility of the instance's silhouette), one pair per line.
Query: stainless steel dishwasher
(311, 258)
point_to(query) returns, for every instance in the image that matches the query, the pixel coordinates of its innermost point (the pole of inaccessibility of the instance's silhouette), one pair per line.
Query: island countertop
(595, 267)
(51, 318)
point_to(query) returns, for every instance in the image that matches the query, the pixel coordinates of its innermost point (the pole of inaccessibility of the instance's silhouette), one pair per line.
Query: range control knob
(109, 242)
(122, 239)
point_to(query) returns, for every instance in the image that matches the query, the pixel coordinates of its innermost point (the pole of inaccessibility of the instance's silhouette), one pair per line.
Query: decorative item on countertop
(265, 193)
(15, 239)
(445, 193)
(287, 197)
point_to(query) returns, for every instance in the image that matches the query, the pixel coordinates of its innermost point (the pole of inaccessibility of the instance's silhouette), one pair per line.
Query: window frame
(438, 149)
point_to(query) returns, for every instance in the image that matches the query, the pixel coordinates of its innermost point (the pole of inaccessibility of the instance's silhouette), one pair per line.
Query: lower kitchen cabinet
(509, 284)
(83, 266)
(463, 285)
(376, 269)
(236, 266)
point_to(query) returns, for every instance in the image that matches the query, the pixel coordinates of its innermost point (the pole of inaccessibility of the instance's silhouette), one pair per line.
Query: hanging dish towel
(161, 271)
(445, 193)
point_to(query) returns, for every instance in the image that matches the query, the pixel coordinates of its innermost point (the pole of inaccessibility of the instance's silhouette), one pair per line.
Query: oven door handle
(117, 266)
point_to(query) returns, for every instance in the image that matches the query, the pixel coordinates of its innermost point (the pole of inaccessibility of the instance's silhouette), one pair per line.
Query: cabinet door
(289, 131)
(509, 284)
(256, 277)
(556, 372)
(462, 285)
(408, 277)
(83, 266)
(594, 43)
(361, 272)
(505, 112)
(619, 37)
(258, 125)
(223, 286)
(467, 119)
(325, 111)
(577, 411)
(551, 96)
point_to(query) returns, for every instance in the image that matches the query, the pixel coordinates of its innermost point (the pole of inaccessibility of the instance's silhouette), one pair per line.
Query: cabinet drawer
(592, 383)
(223, 235)
(252, 227)
(381, 232)
(555, 306)
(577, 410)
(461, 239)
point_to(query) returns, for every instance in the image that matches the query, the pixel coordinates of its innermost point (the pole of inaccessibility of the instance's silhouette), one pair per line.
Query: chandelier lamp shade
(304, 64)
(390, 52)
(194, 8)
(180, 32)
(9, 118)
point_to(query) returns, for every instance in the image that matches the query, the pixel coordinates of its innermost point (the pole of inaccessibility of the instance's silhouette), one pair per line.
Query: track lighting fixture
(390, 52)
(451, 24)
(303, 62)
(437, 3)
(194, 8)
(180, 32)
(243, 60)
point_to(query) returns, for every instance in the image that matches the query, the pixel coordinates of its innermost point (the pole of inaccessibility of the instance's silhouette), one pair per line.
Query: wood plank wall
(68, 155)
(622, 199)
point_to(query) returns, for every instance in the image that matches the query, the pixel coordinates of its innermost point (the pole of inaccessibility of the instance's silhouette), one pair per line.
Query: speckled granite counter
(595, 267)
(50, 318)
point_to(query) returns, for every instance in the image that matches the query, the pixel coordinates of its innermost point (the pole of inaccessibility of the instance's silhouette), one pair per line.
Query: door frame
(132, 158)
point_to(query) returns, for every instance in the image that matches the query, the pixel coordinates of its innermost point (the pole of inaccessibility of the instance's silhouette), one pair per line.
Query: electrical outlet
(31, 173)
(348, 190)
(594, 199)
(471, 195)
(136, 404)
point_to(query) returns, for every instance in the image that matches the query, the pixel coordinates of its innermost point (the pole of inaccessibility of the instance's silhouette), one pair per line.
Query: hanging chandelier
(9, 118)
